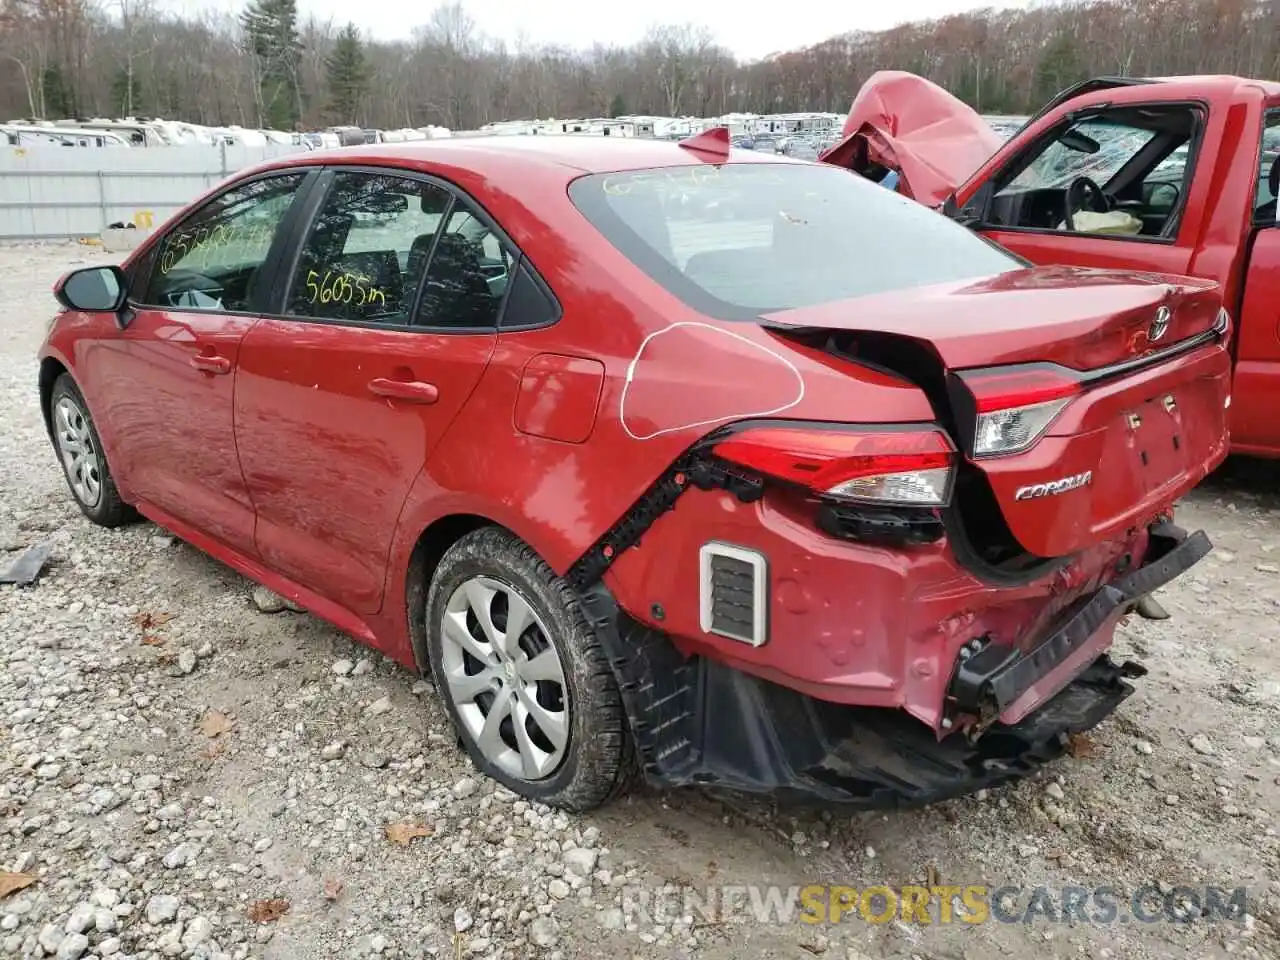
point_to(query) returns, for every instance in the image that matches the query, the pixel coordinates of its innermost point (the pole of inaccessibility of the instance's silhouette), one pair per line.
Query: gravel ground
(188, 774)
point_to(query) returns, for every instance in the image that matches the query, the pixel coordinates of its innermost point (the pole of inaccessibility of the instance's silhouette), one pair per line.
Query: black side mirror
(93, 290)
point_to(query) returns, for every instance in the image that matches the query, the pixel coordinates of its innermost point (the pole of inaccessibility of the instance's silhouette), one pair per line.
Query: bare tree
(58, 56)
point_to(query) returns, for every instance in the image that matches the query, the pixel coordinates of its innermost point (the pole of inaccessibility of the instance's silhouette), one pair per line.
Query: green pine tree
(348, 74)
(124, 100)
(618, 107)
(271, 35)
(59, 99)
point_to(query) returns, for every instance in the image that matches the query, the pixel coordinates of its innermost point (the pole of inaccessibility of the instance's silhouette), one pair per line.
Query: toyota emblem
(1160, 325)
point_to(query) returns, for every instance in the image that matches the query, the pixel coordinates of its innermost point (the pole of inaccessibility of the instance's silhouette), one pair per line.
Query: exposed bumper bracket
(998, 675)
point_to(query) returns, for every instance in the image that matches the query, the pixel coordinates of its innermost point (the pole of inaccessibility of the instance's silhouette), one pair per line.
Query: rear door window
(366, 251)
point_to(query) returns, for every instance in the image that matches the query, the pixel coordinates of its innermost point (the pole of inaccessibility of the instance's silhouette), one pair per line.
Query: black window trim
(1269, 114)
(300, 227)
(146, 258)
(1200, 110)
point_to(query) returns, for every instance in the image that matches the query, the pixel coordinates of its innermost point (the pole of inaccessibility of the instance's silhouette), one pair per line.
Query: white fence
(56, 193)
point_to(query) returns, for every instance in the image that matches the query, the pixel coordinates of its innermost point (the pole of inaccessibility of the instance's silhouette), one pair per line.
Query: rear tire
(538, 711)
(84, 462)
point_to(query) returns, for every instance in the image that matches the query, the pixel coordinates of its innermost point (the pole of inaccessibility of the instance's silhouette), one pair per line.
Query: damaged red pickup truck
(1174, 176)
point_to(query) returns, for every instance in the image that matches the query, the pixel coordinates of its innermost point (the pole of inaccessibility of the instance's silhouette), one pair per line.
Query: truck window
(1123, 172)
(1264, 211)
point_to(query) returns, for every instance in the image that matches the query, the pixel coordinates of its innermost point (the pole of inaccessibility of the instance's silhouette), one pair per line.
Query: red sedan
(726, 467)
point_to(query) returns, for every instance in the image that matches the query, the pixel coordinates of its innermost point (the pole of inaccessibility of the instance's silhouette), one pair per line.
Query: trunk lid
(1120, 380)
(909, 124)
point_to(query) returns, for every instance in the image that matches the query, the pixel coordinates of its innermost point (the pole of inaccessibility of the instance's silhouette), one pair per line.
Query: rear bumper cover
(699, 722)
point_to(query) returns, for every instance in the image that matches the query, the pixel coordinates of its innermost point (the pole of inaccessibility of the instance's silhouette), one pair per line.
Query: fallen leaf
(1082, 747)
(404, 833)
(13, 882)
(216, 723)
(151, 640)
(146, 620)
(332, 888)
(932, 877)
(267, 911)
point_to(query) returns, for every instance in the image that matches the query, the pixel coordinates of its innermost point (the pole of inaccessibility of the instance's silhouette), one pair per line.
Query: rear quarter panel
(670, 376)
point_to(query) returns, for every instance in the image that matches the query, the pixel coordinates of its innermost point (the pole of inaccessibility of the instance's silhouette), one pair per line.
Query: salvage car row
(713, 465)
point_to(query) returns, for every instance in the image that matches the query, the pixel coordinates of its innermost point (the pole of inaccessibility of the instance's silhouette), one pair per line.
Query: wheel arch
(50, 369)
(432, 544)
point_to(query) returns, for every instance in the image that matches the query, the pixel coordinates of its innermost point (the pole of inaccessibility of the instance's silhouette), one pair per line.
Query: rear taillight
(908, 467)
(1013, 407)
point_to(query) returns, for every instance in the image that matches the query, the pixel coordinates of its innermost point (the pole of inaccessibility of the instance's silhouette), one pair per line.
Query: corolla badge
(1054, 487)
(1160, 325)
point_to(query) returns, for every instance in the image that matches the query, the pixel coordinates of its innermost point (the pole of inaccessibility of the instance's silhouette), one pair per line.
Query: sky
(751, 29)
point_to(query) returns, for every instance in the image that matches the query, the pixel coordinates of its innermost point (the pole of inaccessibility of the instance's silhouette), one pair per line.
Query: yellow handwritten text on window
(352, 288)
(217, 244)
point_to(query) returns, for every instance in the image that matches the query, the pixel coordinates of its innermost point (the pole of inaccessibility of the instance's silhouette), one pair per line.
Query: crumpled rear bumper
(697, 721)
(1010, 683)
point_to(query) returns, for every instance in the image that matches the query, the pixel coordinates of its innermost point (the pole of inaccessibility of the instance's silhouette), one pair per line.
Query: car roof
(572, 155)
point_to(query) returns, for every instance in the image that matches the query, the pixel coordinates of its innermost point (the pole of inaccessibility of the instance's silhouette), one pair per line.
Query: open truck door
(1163, 176)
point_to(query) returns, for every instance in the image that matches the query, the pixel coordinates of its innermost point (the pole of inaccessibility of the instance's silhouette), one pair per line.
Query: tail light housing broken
(1007, 409)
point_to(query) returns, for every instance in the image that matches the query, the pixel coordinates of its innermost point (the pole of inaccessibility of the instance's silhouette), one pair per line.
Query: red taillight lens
(1015, 406)
(905, 467)
(1010, 389)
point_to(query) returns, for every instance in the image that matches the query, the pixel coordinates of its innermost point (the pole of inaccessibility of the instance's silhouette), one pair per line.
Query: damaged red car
(727, 468)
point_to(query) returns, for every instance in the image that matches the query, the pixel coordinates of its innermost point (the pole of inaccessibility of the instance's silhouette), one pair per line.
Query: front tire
(522, 675)
(84, 462)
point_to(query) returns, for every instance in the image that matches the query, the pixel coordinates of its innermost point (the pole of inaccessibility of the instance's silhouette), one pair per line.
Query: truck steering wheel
(1087, 190)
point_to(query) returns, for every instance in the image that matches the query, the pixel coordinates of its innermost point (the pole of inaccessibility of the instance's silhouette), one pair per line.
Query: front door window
(213, 260)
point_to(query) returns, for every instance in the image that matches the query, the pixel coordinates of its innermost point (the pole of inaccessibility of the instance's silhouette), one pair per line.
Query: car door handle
(413, 391)
(211, 364)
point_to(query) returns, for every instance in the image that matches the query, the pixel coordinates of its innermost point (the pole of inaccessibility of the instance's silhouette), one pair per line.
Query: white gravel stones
(267, 601)
(161, 909)
(152, 833)
(462, 920)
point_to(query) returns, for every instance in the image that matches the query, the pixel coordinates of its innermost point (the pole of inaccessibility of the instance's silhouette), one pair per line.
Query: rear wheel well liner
(438, 537)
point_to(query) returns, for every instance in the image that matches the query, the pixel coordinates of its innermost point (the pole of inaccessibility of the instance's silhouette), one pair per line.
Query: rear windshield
(743, 239)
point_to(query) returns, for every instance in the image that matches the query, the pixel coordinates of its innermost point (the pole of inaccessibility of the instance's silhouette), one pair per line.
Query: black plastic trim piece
(626, 533)
(997, 676)
(697, 722)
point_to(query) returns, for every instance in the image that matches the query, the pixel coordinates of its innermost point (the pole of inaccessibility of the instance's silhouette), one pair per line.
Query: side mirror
(93, 290)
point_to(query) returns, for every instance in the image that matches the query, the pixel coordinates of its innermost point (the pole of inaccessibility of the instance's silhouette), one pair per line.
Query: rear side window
(745, 239)
(467, 277)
